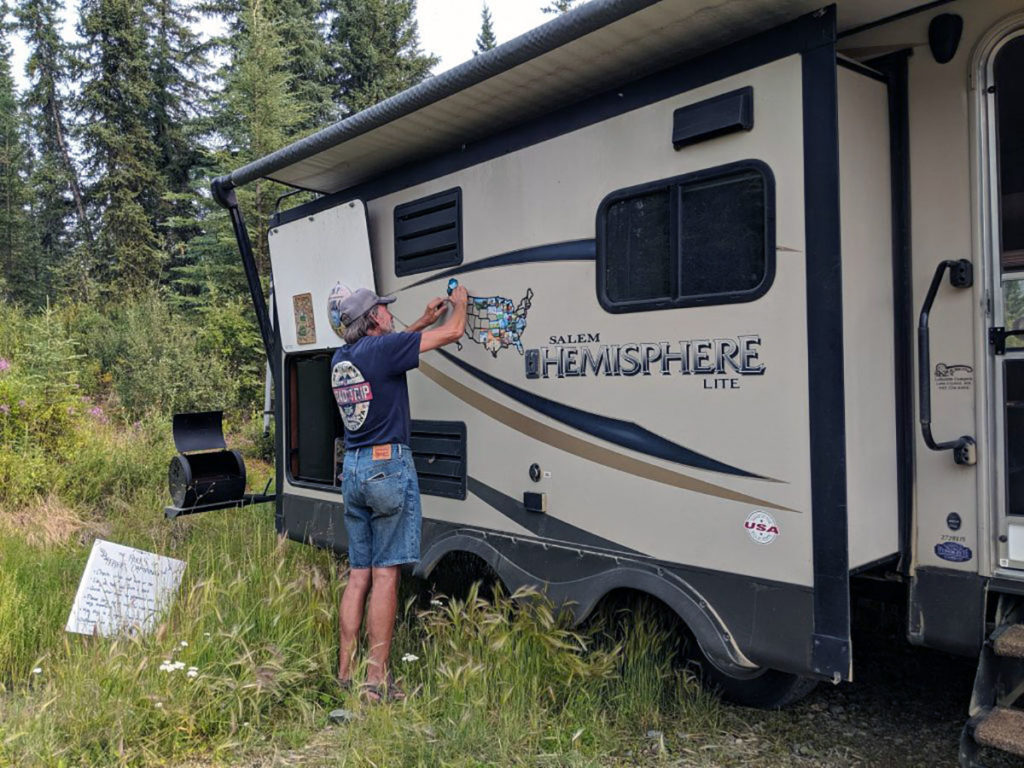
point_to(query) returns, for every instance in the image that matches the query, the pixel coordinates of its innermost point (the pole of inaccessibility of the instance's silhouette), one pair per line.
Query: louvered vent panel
(428, 233)
(439, 451)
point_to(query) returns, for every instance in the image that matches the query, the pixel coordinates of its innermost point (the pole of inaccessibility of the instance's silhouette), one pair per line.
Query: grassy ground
(495, 682)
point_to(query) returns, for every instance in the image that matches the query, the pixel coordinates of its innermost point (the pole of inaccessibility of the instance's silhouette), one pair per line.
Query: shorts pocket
(385, 492)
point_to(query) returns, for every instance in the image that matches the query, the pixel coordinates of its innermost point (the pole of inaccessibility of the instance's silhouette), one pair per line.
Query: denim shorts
(382, 507)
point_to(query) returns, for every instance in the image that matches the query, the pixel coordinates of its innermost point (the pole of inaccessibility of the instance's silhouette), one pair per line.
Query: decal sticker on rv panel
(761, 526)
(953, 551)
(950, 376)
(737, 356)
(305, 325)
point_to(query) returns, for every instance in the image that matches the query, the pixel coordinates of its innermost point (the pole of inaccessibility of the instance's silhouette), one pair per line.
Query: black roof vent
(428, 233)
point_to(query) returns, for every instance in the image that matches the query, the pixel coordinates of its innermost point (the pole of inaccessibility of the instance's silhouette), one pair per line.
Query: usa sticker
(762, 527)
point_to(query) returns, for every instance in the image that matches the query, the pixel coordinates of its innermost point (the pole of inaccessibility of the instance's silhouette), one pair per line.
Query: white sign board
(122, 589)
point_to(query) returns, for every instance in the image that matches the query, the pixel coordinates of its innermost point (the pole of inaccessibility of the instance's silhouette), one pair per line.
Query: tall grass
(242, 665)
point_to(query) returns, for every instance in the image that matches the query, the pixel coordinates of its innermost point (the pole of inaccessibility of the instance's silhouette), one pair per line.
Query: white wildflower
(192, 673)
(245, 723)
(206, 634)
(437, 603)
(410, 657)
(178, 665)
(159, 705)
(183, 643)
(37, 671)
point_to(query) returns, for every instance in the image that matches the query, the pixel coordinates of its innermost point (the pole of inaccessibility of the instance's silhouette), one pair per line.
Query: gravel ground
(905, 708)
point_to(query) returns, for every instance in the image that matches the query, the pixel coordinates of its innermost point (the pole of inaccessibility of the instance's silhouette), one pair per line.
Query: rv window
(428, 233)
(1010, 119)
(702, 238)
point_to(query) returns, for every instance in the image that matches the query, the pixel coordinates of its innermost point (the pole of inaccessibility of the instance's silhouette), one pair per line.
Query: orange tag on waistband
(381, 452)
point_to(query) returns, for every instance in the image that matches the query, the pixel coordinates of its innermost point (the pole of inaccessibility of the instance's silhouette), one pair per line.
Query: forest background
(107, 152)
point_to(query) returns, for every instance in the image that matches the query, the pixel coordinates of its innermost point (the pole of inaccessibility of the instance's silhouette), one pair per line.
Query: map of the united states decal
(496, 322)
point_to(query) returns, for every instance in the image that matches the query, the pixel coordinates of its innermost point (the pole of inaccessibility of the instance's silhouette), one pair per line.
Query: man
(382, 495)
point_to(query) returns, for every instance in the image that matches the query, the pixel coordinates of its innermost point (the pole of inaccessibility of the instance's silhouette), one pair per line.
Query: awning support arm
(225, 195)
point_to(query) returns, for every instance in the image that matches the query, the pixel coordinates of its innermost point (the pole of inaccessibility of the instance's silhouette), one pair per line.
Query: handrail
(961, 275)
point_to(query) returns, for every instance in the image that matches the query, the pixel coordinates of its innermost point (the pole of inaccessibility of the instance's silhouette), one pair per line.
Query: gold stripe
(582, 448)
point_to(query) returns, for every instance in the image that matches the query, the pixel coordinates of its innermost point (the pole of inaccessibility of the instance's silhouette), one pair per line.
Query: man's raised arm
(453, 327)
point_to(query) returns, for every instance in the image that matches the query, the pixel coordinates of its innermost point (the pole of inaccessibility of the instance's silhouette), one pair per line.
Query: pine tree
(179, 68)
(558, 6)
(374, 50)
(257, 112)
(56, 191)
(300, 29)
(486, 40)
(21, 276)
(114, 108)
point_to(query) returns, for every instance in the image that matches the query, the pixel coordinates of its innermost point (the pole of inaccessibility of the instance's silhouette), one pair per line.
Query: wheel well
(458, 570)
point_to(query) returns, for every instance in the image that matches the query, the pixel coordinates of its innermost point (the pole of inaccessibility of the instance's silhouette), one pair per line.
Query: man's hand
(454, 326)
(434, 310)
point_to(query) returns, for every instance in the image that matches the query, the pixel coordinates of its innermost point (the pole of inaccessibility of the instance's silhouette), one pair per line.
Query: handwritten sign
(123, 590)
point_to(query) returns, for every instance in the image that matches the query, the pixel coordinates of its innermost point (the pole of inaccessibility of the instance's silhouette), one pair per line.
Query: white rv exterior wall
(869, 370)
(550, 193)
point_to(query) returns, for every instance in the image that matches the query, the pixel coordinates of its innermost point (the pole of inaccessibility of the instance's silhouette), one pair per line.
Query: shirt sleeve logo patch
(352, 393)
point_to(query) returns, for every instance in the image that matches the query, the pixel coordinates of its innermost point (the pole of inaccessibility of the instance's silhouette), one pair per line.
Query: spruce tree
(558, 6)
(21, 276)
(256, 113)
(374, 50)
(61, 230)
(121, 155)
(486, 40)
(300, 29)
(176, 116)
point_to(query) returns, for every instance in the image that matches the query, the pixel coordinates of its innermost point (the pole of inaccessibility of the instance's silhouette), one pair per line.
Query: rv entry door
(1005, 98)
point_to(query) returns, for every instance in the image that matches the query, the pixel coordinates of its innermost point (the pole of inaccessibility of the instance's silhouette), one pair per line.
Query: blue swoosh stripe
(623, 433)
(570, 250)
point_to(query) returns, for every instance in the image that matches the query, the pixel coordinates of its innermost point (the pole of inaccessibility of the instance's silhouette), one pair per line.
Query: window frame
(672, 185)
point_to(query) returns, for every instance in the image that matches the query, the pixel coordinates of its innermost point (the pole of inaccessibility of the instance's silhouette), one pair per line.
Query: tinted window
(640, 228)
(703, 238)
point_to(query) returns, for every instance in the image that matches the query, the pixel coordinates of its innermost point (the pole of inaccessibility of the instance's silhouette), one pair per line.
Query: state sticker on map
(305, 327)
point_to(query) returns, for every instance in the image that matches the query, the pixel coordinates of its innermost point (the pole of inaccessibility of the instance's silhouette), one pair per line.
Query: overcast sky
(448, 28)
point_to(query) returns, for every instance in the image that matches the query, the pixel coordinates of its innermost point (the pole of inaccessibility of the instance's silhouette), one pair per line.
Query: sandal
(382, 692)
(345, 683)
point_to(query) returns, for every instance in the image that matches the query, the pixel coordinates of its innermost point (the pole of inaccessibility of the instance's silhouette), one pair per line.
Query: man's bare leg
(381, 622)
(350, 617)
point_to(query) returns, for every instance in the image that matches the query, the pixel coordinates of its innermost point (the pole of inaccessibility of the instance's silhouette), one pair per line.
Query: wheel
(771, 689)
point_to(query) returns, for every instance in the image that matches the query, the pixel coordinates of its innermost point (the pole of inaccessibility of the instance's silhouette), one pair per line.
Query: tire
(771, 689)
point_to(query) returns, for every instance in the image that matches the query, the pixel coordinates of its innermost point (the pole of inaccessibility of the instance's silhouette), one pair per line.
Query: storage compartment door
(308, 257)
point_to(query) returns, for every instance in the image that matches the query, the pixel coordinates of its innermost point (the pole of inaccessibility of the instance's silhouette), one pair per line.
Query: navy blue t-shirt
(368, 379)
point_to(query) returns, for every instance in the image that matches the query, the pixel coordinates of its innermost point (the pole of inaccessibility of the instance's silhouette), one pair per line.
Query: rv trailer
(696, 235)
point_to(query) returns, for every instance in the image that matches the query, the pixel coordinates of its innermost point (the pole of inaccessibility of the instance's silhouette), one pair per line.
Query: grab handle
(961, 275)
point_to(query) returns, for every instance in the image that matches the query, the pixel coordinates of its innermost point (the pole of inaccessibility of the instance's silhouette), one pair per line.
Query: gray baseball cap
(358, 303)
